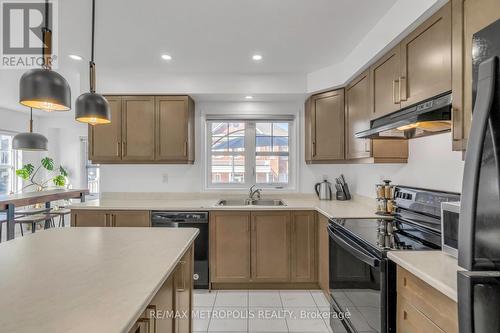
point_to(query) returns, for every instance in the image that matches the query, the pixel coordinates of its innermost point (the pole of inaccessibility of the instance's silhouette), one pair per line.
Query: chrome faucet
(252, 193)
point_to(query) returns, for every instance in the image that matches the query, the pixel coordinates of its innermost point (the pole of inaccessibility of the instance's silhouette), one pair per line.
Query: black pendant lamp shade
(91, 107)
(30, 141)
(43, 88)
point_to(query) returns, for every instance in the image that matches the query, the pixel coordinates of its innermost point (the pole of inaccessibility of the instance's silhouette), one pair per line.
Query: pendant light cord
(47, 39)
(92, 63)
(31, 120)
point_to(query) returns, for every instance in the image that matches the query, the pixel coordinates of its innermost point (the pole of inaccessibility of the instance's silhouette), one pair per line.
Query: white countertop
(358, 207)
(85, 279)
(436, 268)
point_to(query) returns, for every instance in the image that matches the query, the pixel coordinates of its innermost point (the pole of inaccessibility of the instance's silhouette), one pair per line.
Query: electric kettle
(324, 190)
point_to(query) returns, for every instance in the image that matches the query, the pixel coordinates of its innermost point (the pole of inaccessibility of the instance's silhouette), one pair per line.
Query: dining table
(9, 202)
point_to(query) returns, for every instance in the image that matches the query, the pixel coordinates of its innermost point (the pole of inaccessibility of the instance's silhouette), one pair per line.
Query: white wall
(432, 164)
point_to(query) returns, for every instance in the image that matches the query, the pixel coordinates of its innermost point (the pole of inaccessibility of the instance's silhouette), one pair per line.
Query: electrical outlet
(164, 178)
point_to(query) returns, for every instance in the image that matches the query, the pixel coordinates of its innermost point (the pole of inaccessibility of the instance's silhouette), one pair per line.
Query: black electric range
(362, 279)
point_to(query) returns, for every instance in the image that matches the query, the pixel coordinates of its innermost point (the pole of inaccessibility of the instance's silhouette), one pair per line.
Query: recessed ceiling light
(257, 57)
(75, 57)
(166, 57)
(248, 97)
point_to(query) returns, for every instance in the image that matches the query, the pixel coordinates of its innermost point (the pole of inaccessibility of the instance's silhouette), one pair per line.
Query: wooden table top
(31, 198)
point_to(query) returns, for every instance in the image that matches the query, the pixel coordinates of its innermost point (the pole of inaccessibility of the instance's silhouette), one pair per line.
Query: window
(10, 160)
(244, 153)
(91, 172)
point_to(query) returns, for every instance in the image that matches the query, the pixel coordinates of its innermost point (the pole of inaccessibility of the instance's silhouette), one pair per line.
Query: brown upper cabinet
(469, 16)
(145, 129)
(138, 127)
(174, 128)
(105, 140)
(357, 116)
(426, 59)
(384, 87)
(324, 121)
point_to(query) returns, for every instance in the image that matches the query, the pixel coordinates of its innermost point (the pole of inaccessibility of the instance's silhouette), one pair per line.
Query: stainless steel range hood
(429, 117)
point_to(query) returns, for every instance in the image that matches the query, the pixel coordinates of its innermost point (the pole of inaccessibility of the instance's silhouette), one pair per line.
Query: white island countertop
(358, 207)
(85, 279)
(436, 268)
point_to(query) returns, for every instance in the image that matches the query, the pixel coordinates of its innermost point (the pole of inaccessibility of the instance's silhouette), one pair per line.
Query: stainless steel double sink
(249, 202)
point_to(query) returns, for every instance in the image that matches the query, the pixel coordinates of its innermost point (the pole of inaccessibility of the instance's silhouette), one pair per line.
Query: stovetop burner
(384, 234)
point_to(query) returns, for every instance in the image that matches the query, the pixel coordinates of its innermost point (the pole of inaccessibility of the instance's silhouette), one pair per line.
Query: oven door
(357, 285)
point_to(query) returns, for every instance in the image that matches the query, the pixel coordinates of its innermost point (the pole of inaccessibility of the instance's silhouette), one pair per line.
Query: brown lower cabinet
(421, 308)
(171, 308)
(106, 218)
(262, 247)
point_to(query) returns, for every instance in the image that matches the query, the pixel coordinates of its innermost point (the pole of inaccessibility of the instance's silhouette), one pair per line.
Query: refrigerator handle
(482, 108)
(478, 301)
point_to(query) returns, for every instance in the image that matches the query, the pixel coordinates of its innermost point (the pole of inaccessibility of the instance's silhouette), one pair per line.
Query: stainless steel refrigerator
(479, 226)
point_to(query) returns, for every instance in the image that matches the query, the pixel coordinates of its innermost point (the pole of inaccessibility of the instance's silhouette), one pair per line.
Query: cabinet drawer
(410, 320)
(440, 309)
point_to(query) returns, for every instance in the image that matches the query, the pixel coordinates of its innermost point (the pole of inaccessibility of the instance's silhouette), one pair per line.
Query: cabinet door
(230, 246)
(384, 87)
(303, 246)
(271, 246)
(469, 16)
(357, 116)
(130, 219)
(138, 128)
(426, 59)
(183, 280)
(174, 129)
(328, 126)
(105, 140)
(162, 302)
(89, 218)
(323, 254)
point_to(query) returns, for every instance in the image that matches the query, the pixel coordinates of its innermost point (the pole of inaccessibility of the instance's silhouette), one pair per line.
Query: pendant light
(42, 88)
(30, 141)
(91, 107)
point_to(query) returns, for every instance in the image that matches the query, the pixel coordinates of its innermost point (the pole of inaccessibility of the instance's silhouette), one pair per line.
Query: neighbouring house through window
(10, 160)
(241, 153)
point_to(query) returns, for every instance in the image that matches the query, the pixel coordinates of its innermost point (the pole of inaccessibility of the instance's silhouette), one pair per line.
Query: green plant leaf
(59, 180)
(48, 163)
(63, 171)
(26, 171)
(23, 173)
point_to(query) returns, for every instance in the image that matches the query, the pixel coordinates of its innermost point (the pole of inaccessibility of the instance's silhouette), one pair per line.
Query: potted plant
(58, 176)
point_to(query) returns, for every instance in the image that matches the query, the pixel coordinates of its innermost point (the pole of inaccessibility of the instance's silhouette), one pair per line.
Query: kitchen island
(95, 279)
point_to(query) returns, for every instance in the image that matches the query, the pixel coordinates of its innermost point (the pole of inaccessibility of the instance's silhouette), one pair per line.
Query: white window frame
(17, 157)
(250, 152)
(86, 165)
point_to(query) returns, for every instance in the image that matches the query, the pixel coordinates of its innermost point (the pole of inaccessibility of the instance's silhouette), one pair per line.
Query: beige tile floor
(261, 311)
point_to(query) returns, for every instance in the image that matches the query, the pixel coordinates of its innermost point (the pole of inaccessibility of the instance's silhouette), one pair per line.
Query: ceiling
(219, 36)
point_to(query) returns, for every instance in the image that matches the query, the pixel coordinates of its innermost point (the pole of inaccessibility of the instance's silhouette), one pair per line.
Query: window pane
(263, 129)
(236, 143)
(219, 143)
(5, 180)
(280, 144)
(219, 129)
(271, 169)
(93, 179)
(263, 143)
(280, 129)
(236, 129)
(228, 169)
(5, 149)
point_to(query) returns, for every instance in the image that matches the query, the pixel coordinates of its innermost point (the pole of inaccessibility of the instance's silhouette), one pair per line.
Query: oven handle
(354, 250)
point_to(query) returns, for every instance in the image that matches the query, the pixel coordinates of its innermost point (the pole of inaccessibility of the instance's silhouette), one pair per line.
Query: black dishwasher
(198, 220)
